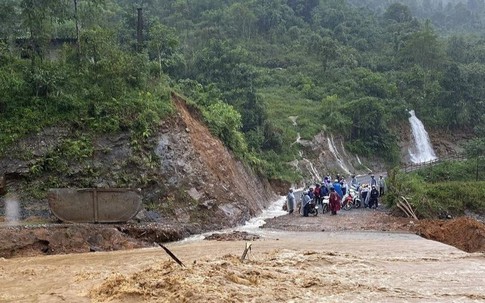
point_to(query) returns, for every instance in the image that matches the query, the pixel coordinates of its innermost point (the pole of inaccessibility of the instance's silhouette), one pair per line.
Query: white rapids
(253, 226)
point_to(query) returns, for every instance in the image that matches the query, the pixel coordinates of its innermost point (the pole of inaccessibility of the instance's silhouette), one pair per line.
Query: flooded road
(356, 256)
(281, 267)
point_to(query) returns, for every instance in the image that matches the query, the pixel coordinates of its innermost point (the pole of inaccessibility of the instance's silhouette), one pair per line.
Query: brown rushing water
(282, 267)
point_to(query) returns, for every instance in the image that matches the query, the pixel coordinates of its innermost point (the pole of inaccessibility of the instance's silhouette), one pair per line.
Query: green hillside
(351, 69)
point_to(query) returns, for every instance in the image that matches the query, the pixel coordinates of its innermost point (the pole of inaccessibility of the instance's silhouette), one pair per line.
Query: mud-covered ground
(465, 233)
(359, 255)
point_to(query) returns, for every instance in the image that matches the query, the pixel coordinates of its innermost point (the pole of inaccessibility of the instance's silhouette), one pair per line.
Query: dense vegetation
(447, 188)
(248, 65)
(447, 16)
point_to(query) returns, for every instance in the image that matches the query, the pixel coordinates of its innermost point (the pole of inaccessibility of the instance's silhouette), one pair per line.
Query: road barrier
(409, 167)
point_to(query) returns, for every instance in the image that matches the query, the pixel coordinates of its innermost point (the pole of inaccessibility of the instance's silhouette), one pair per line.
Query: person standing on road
(343, 183)
(354, 183)
(374, 195)
(305, 203)
(290, 200)
(324, 191)
(382, 186)
(334, 201)
(364, 194)
(316, 194)
(373, 181)
(338, 189)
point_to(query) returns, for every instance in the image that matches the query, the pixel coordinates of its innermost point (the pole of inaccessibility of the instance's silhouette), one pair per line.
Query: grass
(281, 103)
(449, 187)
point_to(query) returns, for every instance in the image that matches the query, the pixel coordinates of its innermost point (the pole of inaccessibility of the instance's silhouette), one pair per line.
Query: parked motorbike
(325, 204)
(351, 200)
(313, 209)
(356, 203)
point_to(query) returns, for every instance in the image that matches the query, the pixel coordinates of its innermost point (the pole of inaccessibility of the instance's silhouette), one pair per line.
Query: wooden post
(245, 252)
(78, 44)
(3, 185)
(477, 169)
(139, 30)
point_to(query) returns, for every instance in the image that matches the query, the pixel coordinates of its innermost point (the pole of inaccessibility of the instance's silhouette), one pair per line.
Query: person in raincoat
(373, 181)
(338, 188)
(382, 186)
(374, 196)
(354, 183)
(334, 201)
(290, 200)
(305, 203)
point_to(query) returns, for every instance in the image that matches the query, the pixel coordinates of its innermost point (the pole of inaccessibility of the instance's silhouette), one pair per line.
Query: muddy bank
(464, 233)
(53, 239)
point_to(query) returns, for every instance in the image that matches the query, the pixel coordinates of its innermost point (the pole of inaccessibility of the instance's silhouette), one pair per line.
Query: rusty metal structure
(94, 205)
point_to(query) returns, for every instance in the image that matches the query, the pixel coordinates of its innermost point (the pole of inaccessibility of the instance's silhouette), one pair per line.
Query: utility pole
(477, 167)
(139, 30)
(78, 42)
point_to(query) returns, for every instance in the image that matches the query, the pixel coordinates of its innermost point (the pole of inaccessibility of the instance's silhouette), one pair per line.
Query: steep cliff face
(188, 178)
(218, 185)
(445, 143)
(326, 155)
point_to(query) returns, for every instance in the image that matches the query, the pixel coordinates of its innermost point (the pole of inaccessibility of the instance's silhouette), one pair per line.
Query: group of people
(369, 193)
(335, 191)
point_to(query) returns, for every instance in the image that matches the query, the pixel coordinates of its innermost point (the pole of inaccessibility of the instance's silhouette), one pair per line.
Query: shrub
(429, 200)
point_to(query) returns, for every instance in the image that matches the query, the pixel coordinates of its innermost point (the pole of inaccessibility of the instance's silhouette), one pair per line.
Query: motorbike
(313, 209)
(325, 204)
(351, 200)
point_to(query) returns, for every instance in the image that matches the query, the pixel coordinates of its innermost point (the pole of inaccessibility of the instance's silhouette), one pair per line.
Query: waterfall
(421, 150)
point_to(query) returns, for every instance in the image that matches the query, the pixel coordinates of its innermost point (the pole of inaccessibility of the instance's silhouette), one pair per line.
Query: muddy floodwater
(281, 267)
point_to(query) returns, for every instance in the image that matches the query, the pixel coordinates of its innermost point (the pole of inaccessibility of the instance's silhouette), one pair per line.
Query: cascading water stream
(421, 150)
(254, 225)
(333, 149)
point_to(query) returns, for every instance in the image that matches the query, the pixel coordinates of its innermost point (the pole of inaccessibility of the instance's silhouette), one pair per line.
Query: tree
(225, 122)
(162, 44)
(424, 49)
(37, 19)
(240, 20)
(456, 49)
(398, 12)
(303, 8)
(9, 16)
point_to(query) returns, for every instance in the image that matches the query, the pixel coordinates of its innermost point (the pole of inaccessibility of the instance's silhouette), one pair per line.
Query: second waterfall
(421, 149)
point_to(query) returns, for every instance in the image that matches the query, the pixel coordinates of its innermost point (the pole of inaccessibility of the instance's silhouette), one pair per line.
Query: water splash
(293, 120)
(298, 139)
(421, 151)
(252, 226)
(12, 210)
